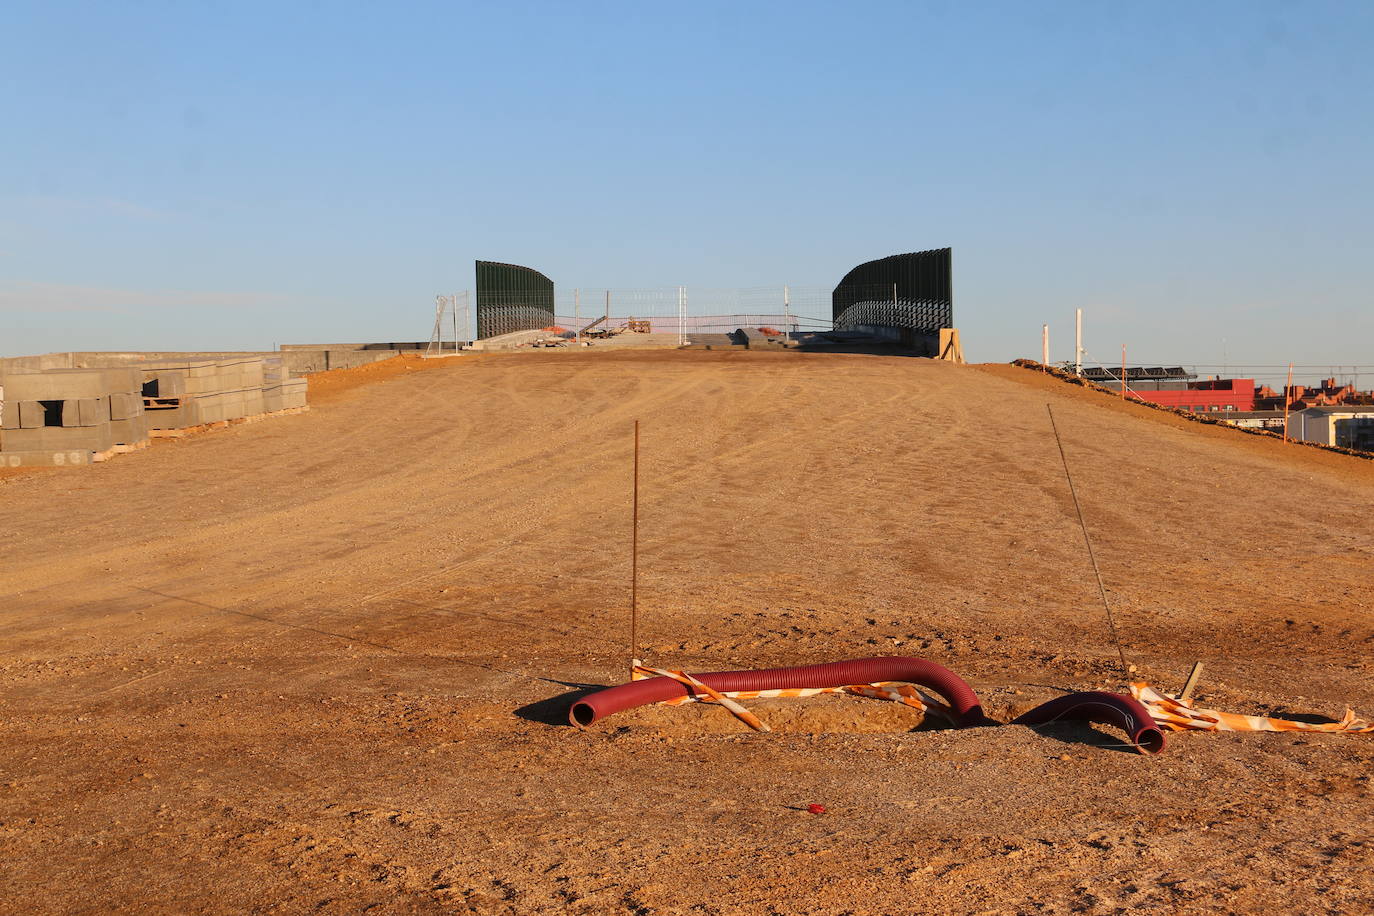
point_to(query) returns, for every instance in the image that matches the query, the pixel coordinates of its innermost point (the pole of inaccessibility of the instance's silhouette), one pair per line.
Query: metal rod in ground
(634, 558)
(1102, 589)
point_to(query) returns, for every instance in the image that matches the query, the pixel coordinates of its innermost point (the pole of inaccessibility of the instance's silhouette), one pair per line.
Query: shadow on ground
(554, 710)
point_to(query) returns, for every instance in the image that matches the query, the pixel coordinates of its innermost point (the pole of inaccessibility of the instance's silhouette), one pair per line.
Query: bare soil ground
(321, 664)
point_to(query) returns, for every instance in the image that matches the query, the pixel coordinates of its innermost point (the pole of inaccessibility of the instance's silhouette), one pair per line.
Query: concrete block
(274, 371)
(210, 408)
(57, 438)
(172, 417)
(55, 385)
(166, 383)
(123, 406)
(9, 415)
(84, 412)
(294, 392)
(232, 402)
(133, 431)
(31, 414)
(43, 458)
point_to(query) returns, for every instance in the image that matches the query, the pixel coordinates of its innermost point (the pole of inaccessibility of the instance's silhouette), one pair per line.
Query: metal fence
(680, 310)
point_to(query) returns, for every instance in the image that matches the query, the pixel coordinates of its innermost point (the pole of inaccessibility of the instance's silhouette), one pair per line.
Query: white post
(1044, 345)
(1078, 342)
(787, 310)
(455, 324)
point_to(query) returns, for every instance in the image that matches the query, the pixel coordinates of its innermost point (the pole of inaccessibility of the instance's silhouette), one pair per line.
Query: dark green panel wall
(913, 292)
(512, 298)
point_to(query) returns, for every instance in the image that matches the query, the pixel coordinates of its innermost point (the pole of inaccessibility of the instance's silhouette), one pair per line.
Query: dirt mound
(324, 663)
(332, 384)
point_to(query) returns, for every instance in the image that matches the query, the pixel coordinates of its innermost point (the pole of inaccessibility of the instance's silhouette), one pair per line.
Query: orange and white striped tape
(896, 692)
(1177, 715)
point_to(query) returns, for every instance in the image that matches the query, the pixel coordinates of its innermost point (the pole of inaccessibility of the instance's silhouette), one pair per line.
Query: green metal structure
(512, 298)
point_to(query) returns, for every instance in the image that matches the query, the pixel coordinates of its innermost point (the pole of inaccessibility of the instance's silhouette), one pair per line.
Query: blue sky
(238, 175)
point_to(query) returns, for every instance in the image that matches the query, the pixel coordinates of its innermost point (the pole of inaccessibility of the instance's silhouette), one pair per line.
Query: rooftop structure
(1200, 396)
(1327, 394)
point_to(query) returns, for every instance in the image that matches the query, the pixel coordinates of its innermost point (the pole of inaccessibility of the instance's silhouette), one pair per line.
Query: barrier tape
(895, 692)
(1178, 715)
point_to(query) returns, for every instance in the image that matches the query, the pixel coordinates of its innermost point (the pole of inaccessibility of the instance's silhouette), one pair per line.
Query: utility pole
(1287, 400)
(1078, 342)
(1045, 347)
(681, 316)
(787, 308)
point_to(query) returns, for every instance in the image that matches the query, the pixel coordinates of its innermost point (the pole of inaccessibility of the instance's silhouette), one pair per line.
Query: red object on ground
(816, 809)
(1108, 708)
(960, 696)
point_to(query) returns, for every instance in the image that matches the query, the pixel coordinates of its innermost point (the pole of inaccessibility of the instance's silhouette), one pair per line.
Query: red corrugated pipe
(961, 698)
(1099, 706)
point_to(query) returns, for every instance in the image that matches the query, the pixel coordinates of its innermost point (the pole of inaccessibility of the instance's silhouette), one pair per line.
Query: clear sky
(1196, 177)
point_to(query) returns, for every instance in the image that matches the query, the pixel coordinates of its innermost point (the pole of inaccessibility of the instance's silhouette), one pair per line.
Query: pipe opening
(1150, 741)
(582, 715)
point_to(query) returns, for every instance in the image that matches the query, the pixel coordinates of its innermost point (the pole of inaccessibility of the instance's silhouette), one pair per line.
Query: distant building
(1226, 395)
(1327, 394)
(1344, 426)
(1255, 419)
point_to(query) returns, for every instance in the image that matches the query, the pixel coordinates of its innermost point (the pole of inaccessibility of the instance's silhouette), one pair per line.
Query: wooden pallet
(120, 450)
(222, 424)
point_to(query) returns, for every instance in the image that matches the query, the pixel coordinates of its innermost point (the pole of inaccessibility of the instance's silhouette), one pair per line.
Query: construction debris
(1178, 714)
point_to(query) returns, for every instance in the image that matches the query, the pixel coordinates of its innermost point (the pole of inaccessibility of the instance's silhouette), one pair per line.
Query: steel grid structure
(906, 296)
(512, 298)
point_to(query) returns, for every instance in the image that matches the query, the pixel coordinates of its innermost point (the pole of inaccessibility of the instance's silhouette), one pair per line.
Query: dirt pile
(323, 663)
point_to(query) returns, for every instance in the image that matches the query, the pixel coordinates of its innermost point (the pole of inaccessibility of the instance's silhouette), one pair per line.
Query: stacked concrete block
(192, 393)
(279, 390)
(66, 416)
(285, 395)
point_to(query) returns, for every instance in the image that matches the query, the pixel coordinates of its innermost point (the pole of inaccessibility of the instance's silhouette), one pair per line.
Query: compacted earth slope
(322, 663)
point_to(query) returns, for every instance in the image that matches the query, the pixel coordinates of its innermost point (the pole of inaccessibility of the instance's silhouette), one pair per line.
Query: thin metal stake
(1111, 622)
(634, 560)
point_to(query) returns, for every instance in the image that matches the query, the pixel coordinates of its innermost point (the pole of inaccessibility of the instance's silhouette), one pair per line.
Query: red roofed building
(1328, 394)
(1208, 396)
